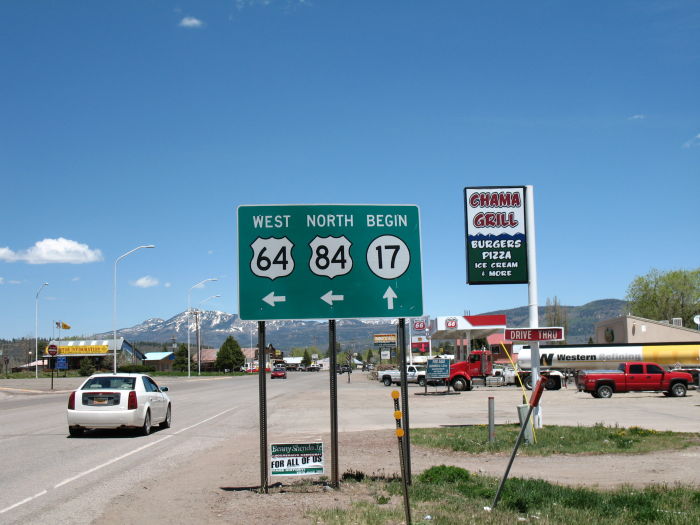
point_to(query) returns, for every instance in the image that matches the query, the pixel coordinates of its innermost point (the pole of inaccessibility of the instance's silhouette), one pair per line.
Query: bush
(87, 367)
(136, 369)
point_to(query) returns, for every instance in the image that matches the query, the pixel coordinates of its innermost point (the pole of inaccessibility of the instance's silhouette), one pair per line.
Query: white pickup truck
(414, 374)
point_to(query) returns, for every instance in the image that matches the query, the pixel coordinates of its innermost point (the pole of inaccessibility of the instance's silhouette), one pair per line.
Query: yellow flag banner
(62, 325)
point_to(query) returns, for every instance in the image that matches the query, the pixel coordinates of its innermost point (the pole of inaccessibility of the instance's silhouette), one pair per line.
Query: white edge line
(85, 473)
(27, 500)
(204, 421)
(114, 460)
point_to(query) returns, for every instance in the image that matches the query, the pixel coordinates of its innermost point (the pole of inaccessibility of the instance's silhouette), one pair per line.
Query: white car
(118, 401)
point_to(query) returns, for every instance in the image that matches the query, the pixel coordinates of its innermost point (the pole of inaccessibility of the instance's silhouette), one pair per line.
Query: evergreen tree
(306, 360)
(230, 356)
(180, 363)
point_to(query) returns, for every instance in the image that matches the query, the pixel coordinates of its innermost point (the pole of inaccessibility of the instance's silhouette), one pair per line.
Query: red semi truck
(634, 377)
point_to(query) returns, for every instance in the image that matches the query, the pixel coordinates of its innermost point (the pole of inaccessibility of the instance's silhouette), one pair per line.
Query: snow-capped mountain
(216, 326)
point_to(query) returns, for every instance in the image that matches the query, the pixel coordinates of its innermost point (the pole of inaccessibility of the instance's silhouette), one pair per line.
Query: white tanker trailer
(677, 356)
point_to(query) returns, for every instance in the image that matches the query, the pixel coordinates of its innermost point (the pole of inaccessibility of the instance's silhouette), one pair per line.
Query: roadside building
(208, 359)
(633, 329)
(160, 361)
(95, 349)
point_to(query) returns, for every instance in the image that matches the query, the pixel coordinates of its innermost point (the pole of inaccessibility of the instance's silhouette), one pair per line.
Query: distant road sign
(438, 368)
(61, 362)
(535, 334)
(53, 350)
(330, 261)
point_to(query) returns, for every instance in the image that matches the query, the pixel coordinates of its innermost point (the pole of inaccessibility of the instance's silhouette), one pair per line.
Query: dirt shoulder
(217, 486)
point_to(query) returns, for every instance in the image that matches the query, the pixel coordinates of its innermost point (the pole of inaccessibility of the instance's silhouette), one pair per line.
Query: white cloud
(191, 22)
(2, 280)
(167, 285)
(145, 282)
(14, 282)
(51, 251)
(637, 117)
(75, 279)
(693, 143)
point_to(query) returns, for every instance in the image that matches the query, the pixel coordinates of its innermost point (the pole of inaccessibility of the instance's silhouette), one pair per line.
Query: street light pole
(114, 296)
(199, 338)
(36, 332)
(189, 294)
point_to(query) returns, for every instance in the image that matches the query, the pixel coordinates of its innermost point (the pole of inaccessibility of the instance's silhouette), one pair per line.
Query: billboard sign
(496, 236)
(385, 340)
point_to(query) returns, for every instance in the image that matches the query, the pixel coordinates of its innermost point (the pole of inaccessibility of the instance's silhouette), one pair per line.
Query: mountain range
(216, 326)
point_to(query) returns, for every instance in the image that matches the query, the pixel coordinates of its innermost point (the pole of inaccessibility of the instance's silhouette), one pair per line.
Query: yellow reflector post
(395, 394)
(397, 414)
(399, 432)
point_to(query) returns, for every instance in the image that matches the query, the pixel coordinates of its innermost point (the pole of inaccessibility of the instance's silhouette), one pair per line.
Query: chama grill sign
(496, 235)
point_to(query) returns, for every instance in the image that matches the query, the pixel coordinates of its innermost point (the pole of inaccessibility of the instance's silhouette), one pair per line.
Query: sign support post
(262, 390)
(401, 341)
(533, 307)
(334, 403)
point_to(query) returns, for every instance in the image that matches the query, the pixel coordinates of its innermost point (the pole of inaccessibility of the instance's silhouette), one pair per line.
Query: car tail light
(71, 401)
(133, 403)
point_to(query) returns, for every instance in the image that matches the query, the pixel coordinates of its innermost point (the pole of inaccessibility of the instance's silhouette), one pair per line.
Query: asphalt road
(48, 477)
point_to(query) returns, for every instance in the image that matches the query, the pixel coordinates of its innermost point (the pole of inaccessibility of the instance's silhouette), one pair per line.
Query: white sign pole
(532, 292)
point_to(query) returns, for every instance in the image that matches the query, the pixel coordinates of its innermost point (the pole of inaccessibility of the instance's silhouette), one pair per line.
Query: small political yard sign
(296, 459)
(438, 368)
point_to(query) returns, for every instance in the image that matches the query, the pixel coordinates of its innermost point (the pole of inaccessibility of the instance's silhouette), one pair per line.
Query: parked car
(132, 401)
(278, 373)
(341, 369)
(634, 377)
(414, 374)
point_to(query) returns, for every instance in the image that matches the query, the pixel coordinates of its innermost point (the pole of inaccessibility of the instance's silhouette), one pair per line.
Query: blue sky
(130, 123)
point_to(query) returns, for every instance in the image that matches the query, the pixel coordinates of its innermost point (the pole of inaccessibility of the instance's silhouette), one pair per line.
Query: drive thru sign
(329, 262)
(535, 334)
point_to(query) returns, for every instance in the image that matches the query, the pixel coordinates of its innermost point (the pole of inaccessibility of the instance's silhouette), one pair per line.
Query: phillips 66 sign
(496, 235)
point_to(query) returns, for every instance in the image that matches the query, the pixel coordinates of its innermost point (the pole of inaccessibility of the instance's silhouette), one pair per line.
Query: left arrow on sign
(271, 298)
(329, 297)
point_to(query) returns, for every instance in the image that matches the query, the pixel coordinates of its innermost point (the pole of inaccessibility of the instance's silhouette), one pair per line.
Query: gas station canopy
(475, 326)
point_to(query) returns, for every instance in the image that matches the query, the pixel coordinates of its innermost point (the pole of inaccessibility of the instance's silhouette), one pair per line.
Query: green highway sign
(329, 261)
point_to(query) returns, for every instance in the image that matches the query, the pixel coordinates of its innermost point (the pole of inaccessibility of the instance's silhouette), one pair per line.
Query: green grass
(552, 439)
(454, 496)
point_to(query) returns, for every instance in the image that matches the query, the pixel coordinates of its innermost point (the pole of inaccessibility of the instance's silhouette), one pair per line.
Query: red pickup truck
(634, 377)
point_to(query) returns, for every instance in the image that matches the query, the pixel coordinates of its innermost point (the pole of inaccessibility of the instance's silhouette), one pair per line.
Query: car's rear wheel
(146, 428)
(605, 391)
(421, 381)
(168, 419)
(75, 431)
(386, 381)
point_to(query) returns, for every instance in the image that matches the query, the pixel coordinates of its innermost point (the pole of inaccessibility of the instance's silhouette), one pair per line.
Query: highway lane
(48, 477)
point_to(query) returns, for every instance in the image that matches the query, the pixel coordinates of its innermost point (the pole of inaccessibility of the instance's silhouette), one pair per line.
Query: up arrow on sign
(390, 295)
